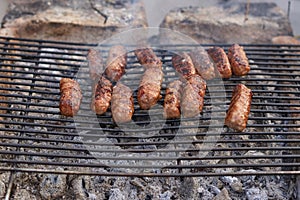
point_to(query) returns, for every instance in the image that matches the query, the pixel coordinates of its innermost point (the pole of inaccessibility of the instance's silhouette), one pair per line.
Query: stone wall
(88, 21)
(230, 22)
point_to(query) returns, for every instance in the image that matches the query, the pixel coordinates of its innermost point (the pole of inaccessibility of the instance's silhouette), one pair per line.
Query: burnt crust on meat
(192, 100)
(239, 109)
(122, 106)
(149, 88)
(70, 98)
(203, 63)
(172, 100)
(183, 64)
(116, 63)
(101, 96)
(238, 60)
(222, 64)
(147, 57)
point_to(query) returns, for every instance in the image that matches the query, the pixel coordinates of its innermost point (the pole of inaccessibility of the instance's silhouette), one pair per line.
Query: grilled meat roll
(238, 60)
(222, 65)
(116, 63)
(192, 100)
(95, 62)
(101, 96)
(148, 58)
(183, 64)
(172, 100)
(203, 63)
(239, 109)
(149, 88)
(70, 98)
(122, 106)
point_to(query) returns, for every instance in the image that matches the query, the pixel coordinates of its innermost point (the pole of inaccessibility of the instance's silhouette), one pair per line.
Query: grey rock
(227, 23)
(73, 20)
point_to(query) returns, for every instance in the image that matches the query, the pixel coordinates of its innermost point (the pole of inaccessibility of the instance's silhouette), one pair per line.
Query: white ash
(256, 194)
(48, 68)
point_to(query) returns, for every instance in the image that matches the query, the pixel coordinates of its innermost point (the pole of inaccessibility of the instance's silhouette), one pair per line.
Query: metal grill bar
(36, 136)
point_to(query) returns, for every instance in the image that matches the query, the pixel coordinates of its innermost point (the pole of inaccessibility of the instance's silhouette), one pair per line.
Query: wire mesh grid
(36, 138)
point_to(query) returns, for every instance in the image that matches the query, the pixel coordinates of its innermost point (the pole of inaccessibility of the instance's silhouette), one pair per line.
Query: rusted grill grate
(36, 138)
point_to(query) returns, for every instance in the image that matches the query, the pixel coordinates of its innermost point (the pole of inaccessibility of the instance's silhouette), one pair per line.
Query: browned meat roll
(203, 63)
(219, 57)
(116, 63)
(101, 96)
(183, 64)
(239, 109)
(148, 58)
(192, 100)
(122, 106)
(172, 100)
(70, 98)
(238, 60)
(95, 62)
(149, 88)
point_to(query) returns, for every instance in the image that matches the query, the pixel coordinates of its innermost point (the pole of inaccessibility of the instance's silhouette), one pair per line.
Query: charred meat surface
(70, 98)
(239, 109)
(116, 63)
(238, 60)
(122, 106)
(183, 64)
(172, 100)
(101, 96)
(192, 100)
(203, 63)
(149, 88)
(148, 58)
(222, 65)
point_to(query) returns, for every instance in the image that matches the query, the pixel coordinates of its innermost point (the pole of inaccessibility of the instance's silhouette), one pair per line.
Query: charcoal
(2, 189)
(233, 182)
(21, 194)
(223, 195)
(166, 196)
(53, 186)
(256, 194)
(116, 194)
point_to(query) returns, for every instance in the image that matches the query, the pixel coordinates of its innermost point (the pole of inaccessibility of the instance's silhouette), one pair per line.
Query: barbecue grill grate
(36, 138)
